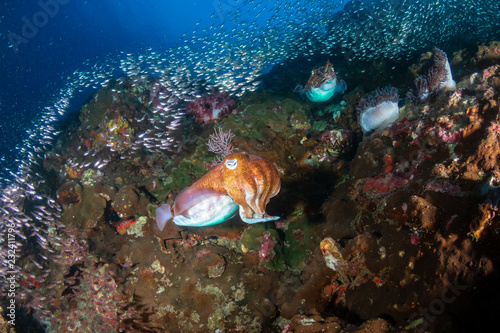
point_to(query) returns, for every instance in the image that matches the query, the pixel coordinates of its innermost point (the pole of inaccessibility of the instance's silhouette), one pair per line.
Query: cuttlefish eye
(231, 164)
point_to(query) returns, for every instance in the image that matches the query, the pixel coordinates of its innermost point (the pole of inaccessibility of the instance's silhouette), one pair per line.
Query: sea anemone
(378, 110)
(438, 78)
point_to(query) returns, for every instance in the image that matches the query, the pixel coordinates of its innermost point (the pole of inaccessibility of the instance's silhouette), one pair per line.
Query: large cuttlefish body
(241, 180)
(323, 84)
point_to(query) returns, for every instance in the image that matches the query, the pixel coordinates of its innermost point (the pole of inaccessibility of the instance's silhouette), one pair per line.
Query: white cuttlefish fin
(163, 214)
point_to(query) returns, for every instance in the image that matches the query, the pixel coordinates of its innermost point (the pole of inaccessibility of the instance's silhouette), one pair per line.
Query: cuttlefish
(241, 181)
(323, 84)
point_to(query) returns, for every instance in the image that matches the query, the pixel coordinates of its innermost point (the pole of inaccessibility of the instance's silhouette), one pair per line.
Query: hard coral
(487, 54)
(337, 141)
(210, 106)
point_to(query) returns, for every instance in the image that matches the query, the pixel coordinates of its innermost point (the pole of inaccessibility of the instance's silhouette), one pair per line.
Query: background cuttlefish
(323, 84)
(243, 180)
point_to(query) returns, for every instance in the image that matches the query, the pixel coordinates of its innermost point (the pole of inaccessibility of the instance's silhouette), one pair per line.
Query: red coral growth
(210, 106)
(384, 183)
(122, 226)
(402, 126)
(388, 167)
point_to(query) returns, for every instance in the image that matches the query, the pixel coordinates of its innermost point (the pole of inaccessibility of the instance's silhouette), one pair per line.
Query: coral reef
(396, 230)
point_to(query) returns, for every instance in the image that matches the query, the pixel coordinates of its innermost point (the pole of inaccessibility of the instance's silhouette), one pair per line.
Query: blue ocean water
(56, 53)
(38, 60)
(44, 42)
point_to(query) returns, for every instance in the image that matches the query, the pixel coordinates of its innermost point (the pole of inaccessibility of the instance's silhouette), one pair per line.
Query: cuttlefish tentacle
(251, 184)
(257, 199)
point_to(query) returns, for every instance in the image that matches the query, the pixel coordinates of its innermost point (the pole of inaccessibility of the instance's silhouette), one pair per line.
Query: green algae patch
(319, 126)
(251, 237)
(152, 211)
(94, 113)
(182, 176)
(280, 249)
(185, 173)
(87, 211)
(264, 111)
(299, 242)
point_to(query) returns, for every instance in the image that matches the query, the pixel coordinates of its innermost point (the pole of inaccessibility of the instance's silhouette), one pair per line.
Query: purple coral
(444, 186)
(220, 144)
(266, 251)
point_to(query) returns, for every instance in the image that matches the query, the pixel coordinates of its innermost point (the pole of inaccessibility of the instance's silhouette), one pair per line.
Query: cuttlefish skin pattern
(241, 181)
(250, 180)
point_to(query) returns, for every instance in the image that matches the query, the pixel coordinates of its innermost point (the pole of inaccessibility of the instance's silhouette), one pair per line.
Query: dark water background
(70, 33)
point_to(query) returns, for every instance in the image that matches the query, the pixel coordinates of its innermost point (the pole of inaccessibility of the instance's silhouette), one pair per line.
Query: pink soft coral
(210, 106)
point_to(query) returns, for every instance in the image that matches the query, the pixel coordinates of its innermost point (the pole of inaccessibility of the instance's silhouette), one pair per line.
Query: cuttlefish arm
(243, 180)
(251, 181)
